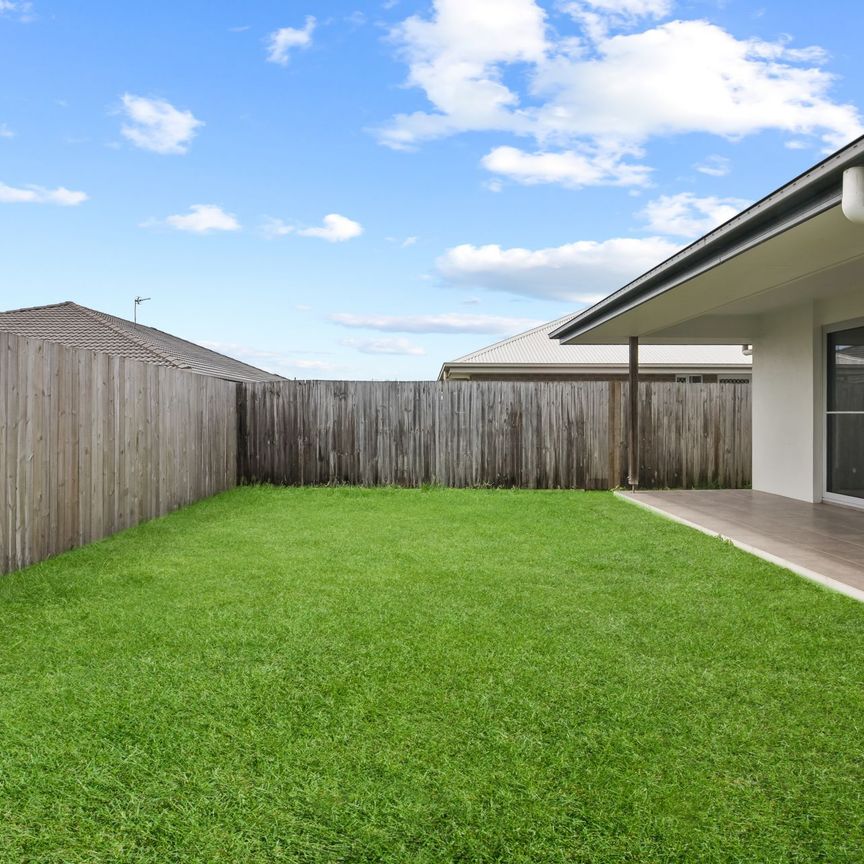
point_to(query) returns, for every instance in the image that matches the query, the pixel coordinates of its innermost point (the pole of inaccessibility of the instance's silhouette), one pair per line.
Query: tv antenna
(138, 302)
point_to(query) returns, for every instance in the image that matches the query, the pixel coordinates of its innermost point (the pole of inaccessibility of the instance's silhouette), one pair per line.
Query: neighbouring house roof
(812, 193)
(79, 327)
(533, 349)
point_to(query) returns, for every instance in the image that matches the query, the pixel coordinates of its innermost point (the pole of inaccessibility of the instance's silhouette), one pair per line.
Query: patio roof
(714, 289)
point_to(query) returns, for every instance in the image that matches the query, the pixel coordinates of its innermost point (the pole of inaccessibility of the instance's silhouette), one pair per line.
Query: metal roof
(79, 327)
(535, 348)
(811, 193)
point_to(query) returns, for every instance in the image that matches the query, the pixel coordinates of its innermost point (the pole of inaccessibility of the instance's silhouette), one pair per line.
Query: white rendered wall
(786, 360)
(788, 399)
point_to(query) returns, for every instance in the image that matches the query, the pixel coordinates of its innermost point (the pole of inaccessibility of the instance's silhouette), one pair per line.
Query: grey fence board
(92, 444)
(497, 433)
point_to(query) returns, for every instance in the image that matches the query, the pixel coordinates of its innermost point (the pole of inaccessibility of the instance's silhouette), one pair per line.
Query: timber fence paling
(91, 444)
(463, 433)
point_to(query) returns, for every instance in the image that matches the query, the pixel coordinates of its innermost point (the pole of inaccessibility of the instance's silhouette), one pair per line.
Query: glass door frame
(833, 497)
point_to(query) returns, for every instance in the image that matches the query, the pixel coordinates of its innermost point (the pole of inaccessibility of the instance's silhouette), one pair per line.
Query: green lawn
(348, 675)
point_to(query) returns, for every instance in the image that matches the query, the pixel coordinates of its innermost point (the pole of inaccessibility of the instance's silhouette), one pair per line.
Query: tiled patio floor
(820, 541)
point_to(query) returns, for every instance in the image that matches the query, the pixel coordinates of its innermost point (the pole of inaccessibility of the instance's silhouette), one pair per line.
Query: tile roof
(80, 327)
(535, 348)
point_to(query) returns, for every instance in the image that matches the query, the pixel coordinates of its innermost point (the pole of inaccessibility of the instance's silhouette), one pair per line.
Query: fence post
(633, 431)
(242, 434)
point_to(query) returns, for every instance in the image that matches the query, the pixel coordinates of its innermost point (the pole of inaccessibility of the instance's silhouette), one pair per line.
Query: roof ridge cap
(43, 306)
(173, 336)
(209, 350)
(108, 321)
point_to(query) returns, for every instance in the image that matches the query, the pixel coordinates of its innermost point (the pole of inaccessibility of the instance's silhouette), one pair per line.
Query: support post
(633, 430)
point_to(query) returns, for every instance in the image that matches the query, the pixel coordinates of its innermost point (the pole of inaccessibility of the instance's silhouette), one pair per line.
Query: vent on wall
(732, 379)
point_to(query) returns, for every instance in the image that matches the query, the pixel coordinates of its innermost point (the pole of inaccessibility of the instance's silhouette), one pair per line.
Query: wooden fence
(91, 444)
(535, 435)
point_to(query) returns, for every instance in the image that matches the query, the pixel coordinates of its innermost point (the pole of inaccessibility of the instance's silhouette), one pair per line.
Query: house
(532, 356)
(787, 276)
(79, 327)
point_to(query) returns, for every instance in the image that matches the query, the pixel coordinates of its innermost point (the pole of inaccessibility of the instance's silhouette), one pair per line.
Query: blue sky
(355, 190)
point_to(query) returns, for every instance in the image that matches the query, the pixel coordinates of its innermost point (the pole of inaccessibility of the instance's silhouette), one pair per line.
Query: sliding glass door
(845, 421)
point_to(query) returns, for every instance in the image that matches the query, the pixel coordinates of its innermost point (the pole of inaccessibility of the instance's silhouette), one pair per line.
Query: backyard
(426, 675)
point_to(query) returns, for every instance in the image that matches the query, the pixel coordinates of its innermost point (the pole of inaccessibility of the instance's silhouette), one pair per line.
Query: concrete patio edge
(806, 572)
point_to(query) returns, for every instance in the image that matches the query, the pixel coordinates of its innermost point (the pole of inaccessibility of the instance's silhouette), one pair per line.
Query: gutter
(527, 371)
(811, 193)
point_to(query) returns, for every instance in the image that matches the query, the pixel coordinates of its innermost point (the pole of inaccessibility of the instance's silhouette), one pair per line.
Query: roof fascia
(805, 197)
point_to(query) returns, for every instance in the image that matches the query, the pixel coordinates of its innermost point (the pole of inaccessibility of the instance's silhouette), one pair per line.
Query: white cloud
(598, 17)
(714, 166)
(276, 228)
(580, 272)
(336, 229)
(202, 219)
(5, 131)
(403, 243)
(492, 65)
(280, 42)
(689, 76)
(318, 365)
(271, 361)
(20, 9)
(686, 215)
(588, 166)
(40, 195)
(385, 346)
(450, 322)
(635, 8)
(456, 58)
(157, 125)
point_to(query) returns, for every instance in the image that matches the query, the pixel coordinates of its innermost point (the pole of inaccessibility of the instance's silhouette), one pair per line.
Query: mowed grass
(349, 675)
